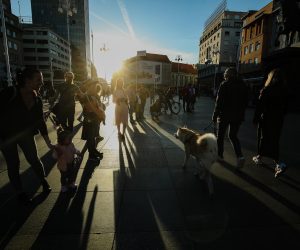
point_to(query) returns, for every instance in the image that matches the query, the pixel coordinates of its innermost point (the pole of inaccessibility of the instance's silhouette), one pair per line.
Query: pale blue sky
(168, 27)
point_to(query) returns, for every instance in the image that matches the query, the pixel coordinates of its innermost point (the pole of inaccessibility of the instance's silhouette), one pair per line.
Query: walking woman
(22, 112)
(121, 108)
(269, 115)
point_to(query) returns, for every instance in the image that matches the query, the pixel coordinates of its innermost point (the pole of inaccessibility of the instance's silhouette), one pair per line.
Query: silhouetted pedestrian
(229, 112)
(66, 103)
(22, 109)
(269, 115)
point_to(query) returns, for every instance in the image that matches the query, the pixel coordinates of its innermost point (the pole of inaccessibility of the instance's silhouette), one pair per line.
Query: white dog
(204, 148)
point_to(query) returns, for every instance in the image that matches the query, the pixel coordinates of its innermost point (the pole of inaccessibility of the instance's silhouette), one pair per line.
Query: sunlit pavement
(138, 197)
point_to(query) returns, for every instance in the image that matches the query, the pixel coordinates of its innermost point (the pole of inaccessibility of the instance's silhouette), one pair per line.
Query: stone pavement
(138, 197)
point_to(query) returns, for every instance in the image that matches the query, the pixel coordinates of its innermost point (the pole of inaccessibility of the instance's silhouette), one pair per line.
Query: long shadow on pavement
(247, 216)
(144, 216)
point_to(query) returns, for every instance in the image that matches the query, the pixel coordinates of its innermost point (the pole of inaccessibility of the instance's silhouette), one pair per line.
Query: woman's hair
(274, 74)
(231, 73)
(119, 83)
(62, 135)
(27, 73)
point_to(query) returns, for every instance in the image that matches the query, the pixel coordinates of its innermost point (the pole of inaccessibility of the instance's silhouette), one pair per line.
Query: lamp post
(69, 7)
(104, 49)
(9, 79)
(178, 58)
(214, 53)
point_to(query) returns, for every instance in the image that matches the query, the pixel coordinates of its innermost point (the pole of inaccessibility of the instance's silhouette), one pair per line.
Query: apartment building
(45, 50)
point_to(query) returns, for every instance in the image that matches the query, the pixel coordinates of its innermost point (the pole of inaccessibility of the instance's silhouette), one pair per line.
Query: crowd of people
(22, 107)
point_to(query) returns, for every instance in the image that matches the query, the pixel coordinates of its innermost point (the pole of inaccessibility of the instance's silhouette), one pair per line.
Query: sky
(169, 27)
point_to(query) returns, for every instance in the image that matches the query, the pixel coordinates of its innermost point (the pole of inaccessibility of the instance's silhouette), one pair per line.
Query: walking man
(66, 111)
(229, 112)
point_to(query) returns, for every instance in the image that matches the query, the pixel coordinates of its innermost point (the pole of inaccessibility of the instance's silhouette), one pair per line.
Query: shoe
(73, 186)
(64, 189)
(240, 162)
(24, 199)
(46, 187)
(93, 158)
(279, 169)
(99, 139)
(257, 160)
(98, 154)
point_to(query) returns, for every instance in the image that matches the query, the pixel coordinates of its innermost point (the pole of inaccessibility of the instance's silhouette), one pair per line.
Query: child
(65, 152)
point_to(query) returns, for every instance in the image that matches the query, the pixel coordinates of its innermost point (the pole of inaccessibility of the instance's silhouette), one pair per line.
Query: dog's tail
(208, 140)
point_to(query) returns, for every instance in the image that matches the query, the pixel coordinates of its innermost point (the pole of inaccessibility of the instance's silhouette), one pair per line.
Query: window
(256, 60)
(237, 34)
(28, 32)
(15, 46)
(9, 44)
(257, 45)
(42, 58)
(227, 33)
(238, 24)
(42, 50)
(246, 50)
(42, 41)
(8, 32)
(28, 41)
(29, 49)
(251, 48)
(29, 58)
(14, 34)
(250, 61)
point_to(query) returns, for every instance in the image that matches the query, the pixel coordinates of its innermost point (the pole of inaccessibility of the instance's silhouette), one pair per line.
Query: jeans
(11, 156)
(233, 130)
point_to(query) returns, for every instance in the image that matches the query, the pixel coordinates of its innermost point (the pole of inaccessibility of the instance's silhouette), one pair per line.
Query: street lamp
(69, 7)
(178, 58)
(104, 49)
(214, 53)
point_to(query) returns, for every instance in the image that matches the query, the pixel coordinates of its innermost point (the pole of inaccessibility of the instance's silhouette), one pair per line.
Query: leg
(220, 138)
(201, 171)
(28, 146)
(210, 183)
(11, 157)
(186, 157)
(233, 130)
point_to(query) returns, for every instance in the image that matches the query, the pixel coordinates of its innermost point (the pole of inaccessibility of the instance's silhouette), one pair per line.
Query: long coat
(269, 114)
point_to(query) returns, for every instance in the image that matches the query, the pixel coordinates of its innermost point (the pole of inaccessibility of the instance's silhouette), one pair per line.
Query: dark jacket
(67, 96)
(272, 105)
(16, 119)
(231, 101)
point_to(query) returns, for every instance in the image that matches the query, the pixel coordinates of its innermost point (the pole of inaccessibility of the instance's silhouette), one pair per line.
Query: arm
(259, 107)
(219, 102)
(42, 127)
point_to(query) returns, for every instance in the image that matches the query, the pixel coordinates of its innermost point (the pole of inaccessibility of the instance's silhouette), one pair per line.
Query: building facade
(46, 13)
(14, 43)
(219, 46)
(183, 74)
(45, 50)
(148, 69)
(256, 42)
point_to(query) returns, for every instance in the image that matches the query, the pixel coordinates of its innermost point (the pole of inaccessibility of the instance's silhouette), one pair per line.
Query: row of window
(251, 31)
(45, 50)
(250, 48)
(43, 59)
(252, 61)
(12, 45)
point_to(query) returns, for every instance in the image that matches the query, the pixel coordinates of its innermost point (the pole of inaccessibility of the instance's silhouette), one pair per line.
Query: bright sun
(118, 48)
